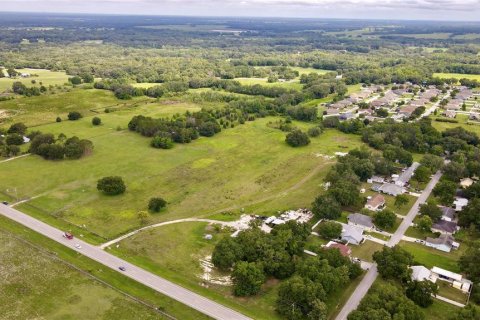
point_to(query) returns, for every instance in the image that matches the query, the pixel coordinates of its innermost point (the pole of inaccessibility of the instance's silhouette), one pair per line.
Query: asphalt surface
(372, 273)
(187, 297)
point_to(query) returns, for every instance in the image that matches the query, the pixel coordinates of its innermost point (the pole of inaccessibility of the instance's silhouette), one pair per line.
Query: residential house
(406, 175)
(444, 242)
(418, 103)
(457, 280)
(332, 111)
(449, 114)
(407, 111)
(460, 203)
(375, 203)
(344, 250)
(347, 116)
(361, 220)
(420, 273)
(391, 189)
(448, 214)
(445, 227)
(352, 234)
(376, 179)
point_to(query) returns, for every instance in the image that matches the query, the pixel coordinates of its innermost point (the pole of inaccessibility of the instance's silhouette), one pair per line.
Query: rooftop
(360, 219)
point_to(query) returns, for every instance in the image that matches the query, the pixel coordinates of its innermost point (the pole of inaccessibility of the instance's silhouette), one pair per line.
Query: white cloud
(389, 9)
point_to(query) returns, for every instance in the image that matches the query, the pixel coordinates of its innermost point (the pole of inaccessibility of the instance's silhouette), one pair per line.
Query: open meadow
(249, 166)
(37, 285)
(40, 77)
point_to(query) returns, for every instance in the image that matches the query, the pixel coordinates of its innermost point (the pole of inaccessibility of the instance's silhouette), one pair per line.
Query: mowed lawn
(46, 77)
(430, 257)
(239, 167)
(34, 285)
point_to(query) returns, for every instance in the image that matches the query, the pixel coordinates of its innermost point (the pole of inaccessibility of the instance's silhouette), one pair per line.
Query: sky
(461, 10)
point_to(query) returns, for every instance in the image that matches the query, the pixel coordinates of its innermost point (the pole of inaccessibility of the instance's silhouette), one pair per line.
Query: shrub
(161, 143)
(314, 132)
(14, 139)
(18, 128)
(156, 204)
(111, 185)
(74, 115)
(297, 138)
(96, 121)
(58, 119)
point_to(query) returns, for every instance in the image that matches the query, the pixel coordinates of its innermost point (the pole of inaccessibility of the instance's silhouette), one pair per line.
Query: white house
(459, 203)
(420, 273)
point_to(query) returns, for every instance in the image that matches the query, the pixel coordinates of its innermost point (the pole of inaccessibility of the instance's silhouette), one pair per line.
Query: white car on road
(78, 246)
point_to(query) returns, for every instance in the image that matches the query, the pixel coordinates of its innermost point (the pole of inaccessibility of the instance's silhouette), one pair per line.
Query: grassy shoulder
(51, 281)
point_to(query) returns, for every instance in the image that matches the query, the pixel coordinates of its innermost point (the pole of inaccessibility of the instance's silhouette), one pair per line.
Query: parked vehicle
(78, 246)
(5, 203)
(122, 268)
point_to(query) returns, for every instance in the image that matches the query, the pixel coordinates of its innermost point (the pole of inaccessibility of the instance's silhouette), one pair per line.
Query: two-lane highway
(187, 297)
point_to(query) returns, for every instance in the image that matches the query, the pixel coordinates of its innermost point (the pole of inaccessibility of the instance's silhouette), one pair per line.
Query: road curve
(372, 274)
(176, 292)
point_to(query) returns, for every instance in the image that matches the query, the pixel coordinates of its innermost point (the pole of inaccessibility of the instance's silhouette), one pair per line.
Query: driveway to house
(187, 297)
(372, 273)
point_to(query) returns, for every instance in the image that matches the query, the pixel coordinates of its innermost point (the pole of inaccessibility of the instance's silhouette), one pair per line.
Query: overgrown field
(249, 166)
(34, 285)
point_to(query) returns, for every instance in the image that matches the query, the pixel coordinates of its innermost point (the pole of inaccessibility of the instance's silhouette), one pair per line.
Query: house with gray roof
(361, 220)
(443, 243)
(448, 214)
(352, 234)
(406, 175)
(391, 189)
(445, 227)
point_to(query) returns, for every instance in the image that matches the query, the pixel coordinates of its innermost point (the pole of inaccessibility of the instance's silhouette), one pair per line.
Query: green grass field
(430, 257)
(457, 76)
(46, 77)
(248, 165)
(366, 250)
(39, 282)
(175, 251)
(44, 109)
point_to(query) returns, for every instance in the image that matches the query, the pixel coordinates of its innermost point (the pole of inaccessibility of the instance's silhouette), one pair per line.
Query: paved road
(372, 274)
(191, 299)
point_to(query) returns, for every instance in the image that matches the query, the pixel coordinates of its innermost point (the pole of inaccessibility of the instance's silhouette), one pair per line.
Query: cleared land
(46, 77)
(246, 165)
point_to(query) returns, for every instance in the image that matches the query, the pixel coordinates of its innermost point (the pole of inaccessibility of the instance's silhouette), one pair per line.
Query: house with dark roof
(445, 227)
(360, 220)
(448, 214)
